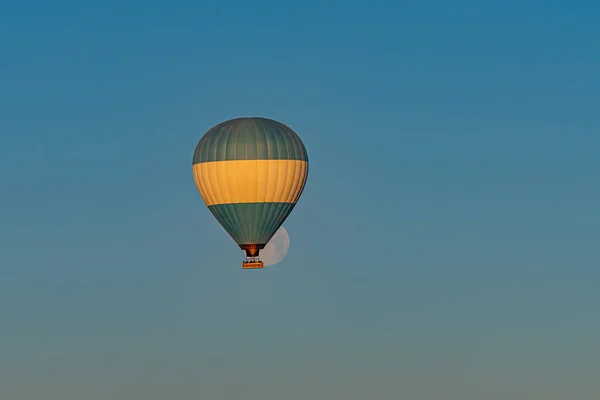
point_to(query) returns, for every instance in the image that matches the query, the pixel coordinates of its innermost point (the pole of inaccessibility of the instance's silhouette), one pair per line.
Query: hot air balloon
(250, 173)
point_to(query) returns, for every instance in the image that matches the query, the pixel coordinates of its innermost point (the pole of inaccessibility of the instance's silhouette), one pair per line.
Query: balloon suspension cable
(252, 263)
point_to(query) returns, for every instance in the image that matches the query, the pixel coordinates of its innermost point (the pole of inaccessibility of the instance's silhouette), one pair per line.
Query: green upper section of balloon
(250, 138)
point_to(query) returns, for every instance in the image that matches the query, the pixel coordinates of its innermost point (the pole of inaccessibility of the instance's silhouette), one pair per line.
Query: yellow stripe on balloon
(250, 181)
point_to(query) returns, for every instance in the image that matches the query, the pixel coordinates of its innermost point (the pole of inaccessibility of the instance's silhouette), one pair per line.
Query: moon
(277, 248)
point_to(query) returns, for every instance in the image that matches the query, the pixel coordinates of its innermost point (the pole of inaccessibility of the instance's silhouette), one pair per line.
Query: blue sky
(445, 245)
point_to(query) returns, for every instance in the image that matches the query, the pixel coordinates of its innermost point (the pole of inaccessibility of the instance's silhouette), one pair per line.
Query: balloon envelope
(250, 173)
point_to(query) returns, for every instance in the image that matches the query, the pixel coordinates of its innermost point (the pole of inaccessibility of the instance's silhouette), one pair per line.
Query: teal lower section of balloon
(251, 223)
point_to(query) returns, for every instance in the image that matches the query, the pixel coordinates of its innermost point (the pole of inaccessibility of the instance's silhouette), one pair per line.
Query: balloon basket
(252, 263)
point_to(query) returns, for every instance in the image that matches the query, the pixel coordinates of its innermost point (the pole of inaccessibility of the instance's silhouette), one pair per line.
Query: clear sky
(445, 247)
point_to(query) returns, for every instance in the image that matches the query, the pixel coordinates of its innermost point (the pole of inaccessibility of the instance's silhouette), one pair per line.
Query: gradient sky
(445, 247)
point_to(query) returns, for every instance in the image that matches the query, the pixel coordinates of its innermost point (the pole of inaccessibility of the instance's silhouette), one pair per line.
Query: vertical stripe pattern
(250, 173)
